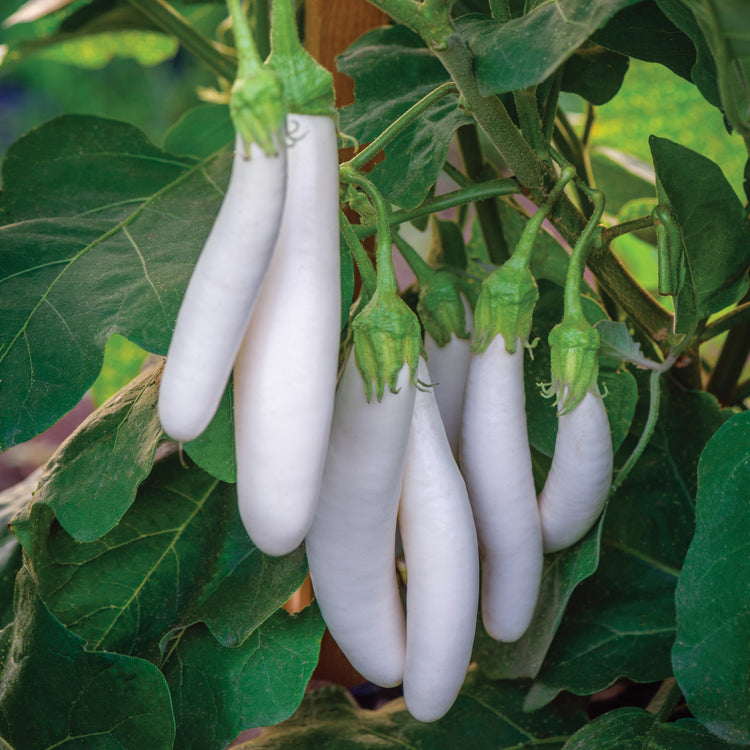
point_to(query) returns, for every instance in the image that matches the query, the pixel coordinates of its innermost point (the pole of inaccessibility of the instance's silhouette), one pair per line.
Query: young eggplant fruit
(496, 464)
(219, 299)
(442, 564)
(351, 543)
(580, 476)
(285, 373)
(449, 368)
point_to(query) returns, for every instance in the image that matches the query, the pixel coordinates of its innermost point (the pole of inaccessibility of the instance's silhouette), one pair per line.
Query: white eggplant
(496, 464)
(285, 373)
(223, 288)
(351, 543)
(442, 564)
(580, 476)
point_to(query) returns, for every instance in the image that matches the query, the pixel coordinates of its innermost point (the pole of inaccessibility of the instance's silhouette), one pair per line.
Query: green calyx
(257, 110)
(308, 86)
(505, 306)
(574, 363)
(386, 336)
(441, 308)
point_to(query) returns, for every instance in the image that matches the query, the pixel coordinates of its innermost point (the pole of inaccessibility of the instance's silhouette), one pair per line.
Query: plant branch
(361, 258)
(634, 225)
(731, 362)
(487, 213)
(740, 314)
(167, 18)
(490, 189)
(665, 701)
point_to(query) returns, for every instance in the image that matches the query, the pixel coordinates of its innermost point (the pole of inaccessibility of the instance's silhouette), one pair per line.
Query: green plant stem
(398, 125)
(456, 175)
(500, 10)
(386, 276)
(580, 252)
(414, 260)
(250, 62)
(550, 107)
(487, 213)
(648, 431)
(741, 392)
(739, 315)
(167, 18)
(665, 701)
(634, 225)
(490, 189)
(730, 363)
(361, 258)
(531, 123)
(263, 27)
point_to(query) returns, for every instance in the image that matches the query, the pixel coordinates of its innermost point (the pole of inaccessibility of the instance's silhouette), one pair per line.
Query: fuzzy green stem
(249, 60)
(531, 123)
(364, 265)
(740, 314)
(168, 19)
(500, 10)
(398, 125)
(490, 189)
(386, 282)
(456, 175)
(414, 260)
(487, 213)
(666, 700)
(522, 253)
(730, 363)
(648, 431)
(634, 225)
(580, 252)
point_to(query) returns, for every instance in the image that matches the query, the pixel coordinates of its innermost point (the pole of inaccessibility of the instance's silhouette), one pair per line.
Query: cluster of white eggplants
(322, 464)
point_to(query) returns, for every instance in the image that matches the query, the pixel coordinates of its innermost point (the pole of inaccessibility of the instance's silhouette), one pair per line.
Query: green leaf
(620, 622)
(392, 70)
(122, 362)
(201, 132)
(525, 51)
(103, 216)
(714, 235)
(595, 73)
(489, 714)
(713, 612)
(213, 450)
(92, 479)
(180, 554)
(636, 729)
(218, 692)
(622, 178)
(54, 693)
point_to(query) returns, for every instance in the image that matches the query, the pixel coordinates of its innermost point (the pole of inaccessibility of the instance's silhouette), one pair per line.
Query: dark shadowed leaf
(595, 73)
(489, 715)
(712, 225)
(636, 729)
(713, 610)
(218, 692)
(620, 622)
(53, 693)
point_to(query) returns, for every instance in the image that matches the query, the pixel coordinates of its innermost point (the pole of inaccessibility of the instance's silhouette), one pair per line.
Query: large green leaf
(713, 610)
(636, 729)
(594, 73)
(218, 692)
(524, 51)
(106, 231)
(392, 70)
(712, 225)
(92, 479)
(178, 555)
(489, 715)
(620, 622)
(54, 693)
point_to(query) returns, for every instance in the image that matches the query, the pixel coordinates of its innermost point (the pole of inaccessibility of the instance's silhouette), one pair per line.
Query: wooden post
(330, 27)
